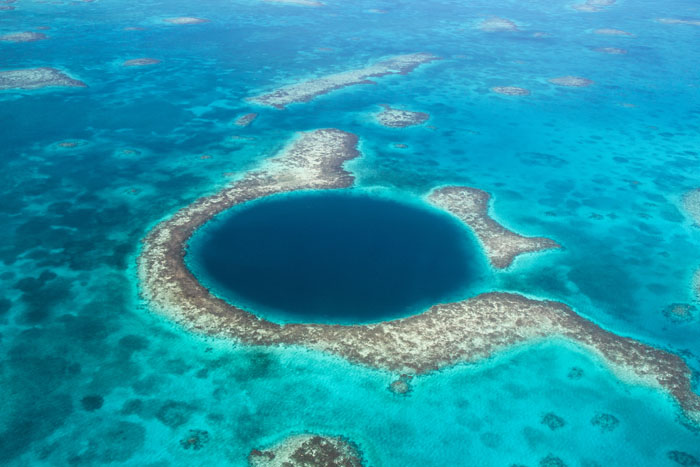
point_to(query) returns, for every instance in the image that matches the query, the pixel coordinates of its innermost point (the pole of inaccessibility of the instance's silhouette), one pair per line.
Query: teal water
(90, 376)
(336, 258)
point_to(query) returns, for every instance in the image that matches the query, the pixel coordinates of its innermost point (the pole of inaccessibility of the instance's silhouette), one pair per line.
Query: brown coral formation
(297, 2)
(680, 312)
(496, 24)
(308, 90)
(692, 22)
(691, 205)
(23, 37)
(612, 32)
(402, 385)
(186, 20)
(445, 334)
(471, 206)
(571, 81)
(308, 450)
(510, 91)
(399, 118)
(141, 62)
(245, 120)
(610, 50)
(37, 78)
(592, 6)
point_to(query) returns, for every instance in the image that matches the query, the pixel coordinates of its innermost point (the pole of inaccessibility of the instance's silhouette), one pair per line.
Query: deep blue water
(335, 257)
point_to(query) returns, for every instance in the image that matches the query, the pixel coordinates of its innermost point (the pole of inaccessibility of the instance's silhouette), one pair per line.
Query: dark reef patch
(195, 440)
(92, 402)
(553, 421)
(683, 458)
(605, 421)
(335, 257)
(174, 413)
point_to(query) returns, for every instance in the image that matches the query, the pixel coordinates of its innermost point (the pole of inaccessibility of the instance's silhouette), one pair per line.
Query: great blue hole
(334, 257)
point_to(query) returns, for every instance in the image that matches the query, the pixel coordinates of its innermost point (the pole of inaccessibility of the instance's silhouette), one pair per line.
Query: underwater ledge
(443, 335)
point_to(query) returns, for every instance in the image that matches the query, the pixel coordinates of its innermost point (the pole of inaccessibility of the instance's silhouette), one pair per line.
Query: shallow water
(336, 257)
(89, 375)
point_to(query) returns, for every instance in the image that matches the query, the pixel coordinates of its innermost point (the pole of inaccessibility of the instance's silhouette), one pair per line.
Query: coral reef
(185, 20)
(307, 90)
(553, 421)
(37, 78)
(496, 24)
(592, 6)
(297, 2)
(612, 32)
(141, 61)
(308, 450)
(680, 312)
(610, 50)
(692, 22)
(23, 37)
(398, 118)
(245, 120)
(471, 206)
(571, 81)
(605, 421)
(510, 90)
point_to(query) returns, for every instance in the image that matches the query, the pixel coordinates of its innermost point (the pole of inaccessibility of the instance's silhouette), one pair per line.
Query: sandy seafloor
(90, 376)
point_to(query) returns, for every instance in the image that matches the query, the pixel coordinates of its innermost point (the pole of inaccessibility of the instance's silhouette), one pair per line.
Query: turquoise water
(336, 258)
(89, 375)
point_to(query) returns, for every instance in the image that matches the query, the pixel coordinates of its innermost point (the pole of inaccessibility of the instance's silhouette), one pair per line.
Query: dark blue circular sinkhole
(334, 257)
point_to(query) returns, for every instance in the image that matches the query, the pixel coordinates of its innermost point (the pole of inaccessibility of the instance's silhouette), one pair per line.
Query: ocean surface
(89, 375)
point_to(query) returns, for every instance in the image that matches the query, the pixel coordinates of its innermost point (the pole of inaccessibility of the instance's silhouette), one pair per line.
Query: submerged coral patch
(141, 62)
(593, 6)
(612, 32)
(36, 78)
(308, 450)
(510, 91)
(245, 120)
(305, 91)
(691, 22)
(610, 50)
(399, 118)
(605, 421)
(496, 24)
(297, 2)
(571, 81)
(186, 20)
(23, 37)
(680, 312)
